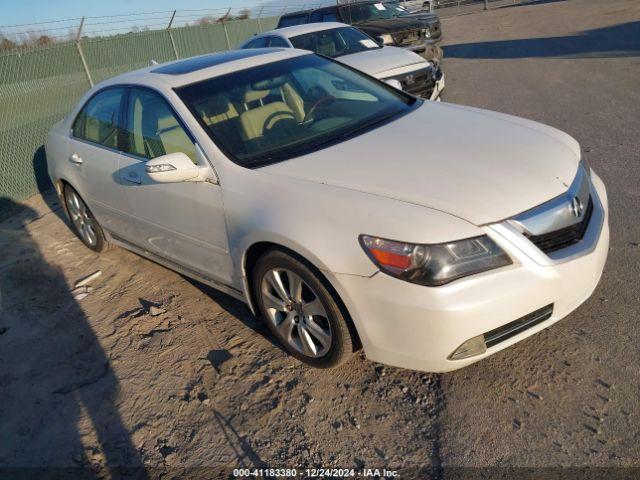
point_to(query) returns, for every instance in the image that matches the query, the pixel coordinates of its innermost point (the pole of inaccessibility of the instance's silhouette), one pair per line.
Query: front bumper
(439, 87)
(416, 327)
(425, 82)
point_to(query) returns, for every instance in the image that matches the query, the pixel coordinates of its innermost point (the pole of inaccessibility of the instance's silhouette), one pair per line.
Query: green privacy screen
(39, 85)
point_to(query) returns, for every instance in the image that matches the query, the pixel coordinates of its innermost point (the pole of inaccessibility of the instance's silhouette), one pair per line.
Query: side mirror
(379, 41)
(174, 168)
(394, 83)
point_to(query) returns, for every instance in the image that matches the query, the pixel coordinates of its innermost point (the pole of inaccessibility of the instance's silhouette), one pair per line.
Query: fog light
(470, 348)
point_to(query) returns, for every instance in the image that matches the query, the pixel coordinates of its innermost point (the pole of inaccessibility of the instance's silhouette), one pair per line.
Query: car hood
(477, 165)
(382, 59)
(428, 18)
(391, 25)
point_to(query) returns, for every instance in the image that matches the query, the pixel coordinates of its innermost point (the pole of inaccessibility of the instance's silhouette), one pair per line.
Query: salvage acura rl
(431, 234)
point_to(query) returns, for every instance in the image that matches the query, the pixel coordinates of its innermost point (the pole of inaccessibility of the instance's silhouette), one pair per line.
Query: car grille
(419, 83)
(565, 237)
(500, 334)
(409, 37)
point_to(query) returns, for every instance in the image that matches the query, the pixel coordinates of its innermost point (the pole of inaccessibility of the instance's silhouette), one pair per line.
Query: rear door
(183, 222)
(94, 152)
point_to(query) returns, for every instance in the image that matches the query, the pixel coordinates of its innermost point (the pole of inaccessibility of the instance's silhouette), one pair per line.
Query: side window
(99, 120)
(152, 128)
(330, 17)
(278, 42)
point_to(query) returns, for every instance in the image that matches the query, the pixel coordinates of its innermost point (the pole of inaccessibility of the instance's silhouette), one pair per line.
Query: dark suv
(387, 22)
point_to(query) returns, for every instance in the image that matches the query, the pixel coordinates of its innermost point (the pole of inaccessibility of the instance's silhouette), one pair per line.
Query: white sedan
(398, 66)
(430, 234)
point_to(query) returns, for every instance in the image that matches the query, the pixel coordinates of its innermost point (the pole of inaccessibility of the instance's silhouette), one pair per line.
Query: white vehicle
(363, 219)
(346, 44)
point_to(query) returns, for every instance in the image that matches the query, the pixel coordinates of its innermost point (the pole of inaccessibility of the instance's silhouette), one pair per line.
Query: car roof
(295, 13)
(190, 70)
(296, 30)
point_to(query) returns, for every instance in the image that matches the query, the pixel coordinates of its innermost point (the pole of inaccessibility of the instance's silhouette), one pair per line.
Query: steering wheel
(309, 115)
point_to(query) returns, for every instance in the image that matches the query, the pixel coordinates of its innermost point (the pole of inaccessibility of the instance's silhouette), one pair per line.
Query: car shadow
(525, 3)
(239, 310)
(55, 373)
(617, 41)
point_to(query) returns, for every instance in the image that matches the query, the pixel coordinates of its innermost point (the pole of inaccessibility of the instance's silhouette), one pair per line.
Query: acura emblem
(410, 79)
(576, 207)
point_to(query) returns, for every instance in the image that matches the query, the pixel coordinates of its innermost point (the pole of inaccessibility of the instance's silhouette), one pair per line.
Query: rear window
(292, 20)
(324, 17)
(335, 42)
(260, 42)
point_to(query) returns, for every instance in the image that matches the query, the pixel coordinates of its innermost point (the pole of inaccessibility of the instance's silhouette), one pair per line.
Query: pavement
(141, 373)
(568, 396)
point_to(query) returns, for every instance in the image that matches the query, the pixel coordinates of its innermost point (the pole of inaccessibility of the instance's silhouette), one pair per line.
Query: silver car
(343, 211)
(398, 66)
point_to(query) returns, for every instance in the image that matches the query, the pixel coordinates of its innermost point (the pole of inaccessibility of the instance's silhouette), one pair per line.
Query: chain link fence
(39, 84)
(46, 67)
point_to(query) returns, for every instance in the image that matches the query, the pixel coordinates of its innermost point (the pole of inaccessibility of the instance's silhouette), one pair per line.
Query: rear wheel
(85, 226)
(300, 311)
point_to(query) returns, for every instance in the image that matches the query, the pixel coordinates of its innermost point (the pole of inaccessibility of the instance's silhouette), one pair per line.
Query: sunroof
(205, 61)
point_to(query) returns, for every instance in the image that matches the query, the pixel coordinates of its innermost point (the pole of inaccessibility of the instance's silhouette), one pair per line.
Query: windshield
(335, 42)
(367, 12)
(397, 9)
(289, 108)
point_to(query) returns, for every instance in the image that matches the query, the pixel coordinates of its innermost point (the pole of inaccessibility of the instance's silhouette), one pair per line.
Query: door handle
(75, 159)
(132, 177)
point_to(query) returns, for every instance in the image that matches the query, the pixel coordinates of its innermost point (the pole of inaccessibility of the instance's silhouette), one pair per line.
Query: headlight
(386, 39)
(434, 265)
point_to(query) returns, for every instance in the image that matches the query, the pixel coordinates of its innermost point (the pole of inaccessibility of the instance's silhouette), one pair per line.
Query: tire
(306, 319)
(83, 223)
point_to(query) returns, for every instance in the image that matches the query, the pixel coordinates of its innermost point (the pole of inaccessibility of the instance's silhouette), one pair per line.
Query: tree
(244, 14)
(6, 44)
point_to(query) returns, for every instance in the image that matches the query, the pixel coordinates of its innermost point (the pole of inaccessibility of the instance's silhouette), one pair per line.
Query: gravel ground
(142, 367)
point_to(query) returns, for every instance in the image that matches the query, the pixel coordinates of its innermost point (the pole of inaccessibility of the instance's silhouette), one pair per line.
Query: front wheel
(300, 311)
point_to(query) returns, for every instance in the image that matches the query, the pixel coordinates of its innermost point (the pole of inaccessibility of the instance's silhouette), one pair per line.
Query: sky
(25, 17)
(31, 11)
(21, 19)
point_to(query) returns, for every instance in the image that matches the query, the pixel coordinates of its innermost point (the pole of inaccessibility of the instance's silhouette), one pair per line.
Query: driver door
(183, 222)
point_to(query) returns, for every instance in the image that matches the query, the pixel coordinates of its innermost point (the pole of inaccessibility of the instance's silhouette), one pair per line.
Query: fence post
(82, 59)
(258, 19)
(486, 4)
(224, 27)
(173, 43)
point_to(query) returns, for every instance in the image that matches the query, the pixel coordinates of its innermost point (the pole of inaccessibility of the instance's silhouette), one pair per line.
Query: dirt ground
(151, 369)
(143, 373)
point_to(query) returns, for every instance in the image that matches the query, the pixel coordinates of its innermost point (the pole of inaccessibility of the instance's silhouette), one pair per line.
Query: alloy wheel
(81, 218)
(297, 312)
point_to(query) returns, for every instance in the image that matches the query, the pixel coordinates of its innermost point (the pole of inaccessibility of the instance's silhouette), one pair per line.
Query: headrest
(269, 83)
(215, 105)
(255, 95)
